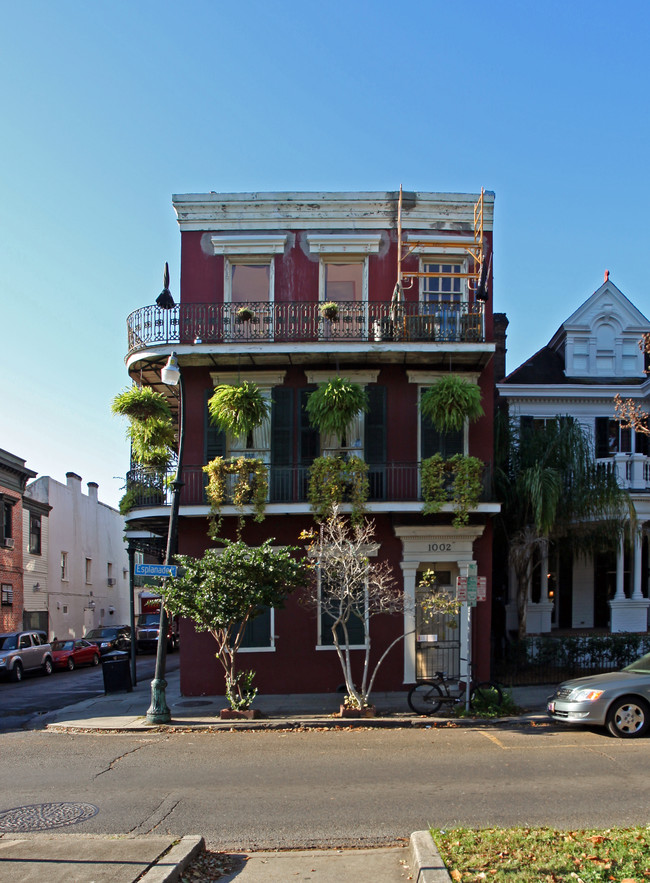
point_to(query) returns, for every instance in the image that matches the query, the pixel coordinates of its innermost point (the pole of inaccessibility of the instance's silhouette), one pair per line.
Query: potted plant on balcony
(244, 314)
(329, 310)
(249, 488)
(458, 479)
(450, 402)
(333, 405)
(334, 480)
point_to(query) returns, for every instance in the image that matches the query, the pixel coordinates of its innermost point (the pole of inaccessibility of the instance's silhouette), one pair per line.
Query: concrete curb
(425, 861)
(171, 865)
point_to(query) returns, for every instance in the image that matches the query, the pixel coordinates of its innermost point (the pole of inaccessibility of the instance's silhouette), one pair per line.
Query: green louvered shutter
(375, 441)
(281, 484)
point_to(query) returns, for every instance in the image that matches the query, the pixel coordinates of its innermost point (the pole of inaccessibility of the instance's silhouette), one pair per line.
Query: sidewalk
(127, 711)
(83, 858)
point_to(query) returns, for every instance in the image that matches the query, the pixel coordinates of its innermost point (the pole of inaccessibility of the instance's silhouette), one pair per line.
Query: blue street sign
(155, 570)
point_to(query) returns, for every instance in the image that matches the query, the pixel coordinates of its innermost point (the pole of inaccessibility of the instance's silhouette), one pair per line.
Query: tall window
(64, 565)
(34, 534)
(250, 283)
(89, 570)
(343, 282)
(447, 286)
(7, 523)
(7, 594)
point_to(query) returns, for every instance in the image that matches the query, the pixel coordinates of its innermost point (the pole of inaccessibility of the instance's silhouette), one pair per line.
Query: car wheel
(70, 664)
(17, 672)
(628, 717)
(95, 659)
(48, 668)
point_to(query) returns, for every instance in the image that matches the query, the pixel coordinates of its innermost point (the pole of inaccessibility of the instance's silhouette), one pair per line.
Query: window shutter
(258, 630)
(215, 439)
(281, 484)
(281, 426)
(602, 437)
(375, 425)
(309, 437)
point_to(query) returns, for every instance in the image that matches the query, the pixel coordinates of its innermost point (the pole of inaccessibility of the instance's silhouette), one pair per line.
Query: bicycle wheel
(486, 695)
(425, 698)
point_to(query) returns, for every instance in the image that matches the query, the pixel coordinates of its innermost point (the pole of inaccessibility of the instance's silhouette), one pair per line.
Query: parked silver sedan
(618, 700)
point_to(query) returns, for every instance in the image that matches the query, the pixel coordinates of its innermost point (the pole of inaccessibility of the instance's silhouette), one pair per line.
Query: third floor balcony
(375, 323)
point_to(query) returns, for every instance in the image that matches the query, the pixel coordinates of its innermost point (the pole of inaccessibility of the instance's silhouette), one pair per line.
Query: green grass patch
(537, 855)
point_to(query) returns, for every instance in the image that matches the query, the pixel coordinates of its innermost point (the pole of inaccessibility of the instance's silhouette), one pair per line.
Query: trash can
(116, 668)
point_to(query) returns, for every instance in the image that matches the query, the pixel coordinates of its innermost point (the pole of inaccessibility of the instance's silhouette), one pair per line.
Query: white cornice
(330, 211)
(343, 243)
(429, 377)
(242, 245)
(261, 378)
(574, 392)
(361, 377)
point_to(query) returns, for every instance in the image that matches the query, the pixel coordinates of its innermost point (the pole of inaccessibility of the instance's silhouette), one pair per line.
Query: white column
(620, 571)
(409, 570)
(543, 597)
(638, 545)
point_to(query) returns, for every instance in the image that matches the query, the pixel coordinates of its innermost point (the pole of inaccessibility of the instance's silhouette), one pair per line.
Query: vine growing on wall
(249, 487)
(459, 480)
(334, 480)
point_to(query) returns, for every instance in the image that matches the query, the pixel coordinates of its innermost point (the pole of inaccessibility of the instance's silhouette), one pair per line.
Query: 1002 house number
(439, 547)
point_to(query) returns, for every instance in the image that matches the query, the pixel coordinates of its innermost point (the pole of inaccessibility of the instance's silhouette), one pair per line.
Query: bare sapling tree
(349, 589)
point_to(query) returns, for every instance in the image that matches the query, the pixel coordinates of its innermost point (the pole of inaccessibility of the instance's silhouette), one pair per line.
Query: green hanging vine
(335, 480)
(250, 487)
(459, 480)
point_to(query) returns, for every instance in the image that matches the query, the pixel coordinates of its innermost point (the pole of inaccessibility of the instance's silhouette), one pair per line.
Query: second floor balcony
(381, 322)
(632, 470)
(389, 483)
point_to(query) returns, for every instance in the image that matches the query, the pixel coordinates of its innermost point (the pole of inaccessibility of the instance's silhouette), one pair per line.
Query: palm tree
(551, 488)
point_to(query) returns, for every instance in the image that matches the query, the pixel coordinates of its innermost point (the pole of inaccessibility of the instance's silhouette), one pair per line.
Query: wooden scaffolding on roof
(451, 244)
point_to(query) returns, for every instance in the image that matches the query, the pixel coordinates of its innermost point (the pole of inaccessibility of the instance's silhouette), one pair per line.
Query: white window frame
(363, 378)
(272, 636)
(64, 567)
(249, 250)
(460, 297)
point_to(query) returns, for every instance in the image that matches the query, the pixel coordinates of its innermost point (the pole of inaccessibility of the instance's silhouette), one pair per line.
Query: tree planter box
(231, 714)
(369, 711)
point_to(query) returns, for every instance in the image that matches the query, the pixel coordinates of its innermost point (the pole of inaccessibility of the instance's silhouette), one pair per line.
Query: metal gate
(437, 638)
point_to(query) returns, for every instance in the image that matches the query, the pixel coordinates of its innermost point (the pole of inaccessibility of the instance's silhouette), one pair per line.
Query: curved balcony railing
(303, 322)
(388, 482)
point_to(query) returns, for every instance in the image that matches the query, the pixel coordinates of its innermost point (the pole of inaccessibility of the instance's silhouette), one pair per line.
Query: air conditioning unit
(111, 581)
(9, 543)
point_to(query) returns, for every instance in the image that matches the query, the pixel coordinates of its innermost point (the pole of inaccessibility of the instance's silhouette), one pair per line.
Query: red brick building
(14, 476)
(256, 269)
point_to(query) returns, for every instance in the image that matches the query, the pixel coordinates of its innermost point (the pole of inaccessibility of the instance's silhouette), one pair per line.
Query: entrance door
(437, 636)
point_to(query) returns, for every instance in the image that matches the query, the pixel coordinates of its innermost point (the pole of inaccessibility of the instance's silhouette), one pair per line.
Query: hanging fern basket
(238, 409)
(450, 402)
(141, 403)
(332, 407)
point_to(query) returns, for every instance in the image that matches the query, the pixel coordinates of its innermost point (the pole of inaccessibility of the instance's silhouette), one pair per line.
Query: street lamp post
(158, 712)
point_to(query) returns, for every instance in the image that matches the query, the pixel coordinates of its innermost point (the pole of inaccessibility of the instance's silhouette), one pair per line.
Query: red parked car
(70, 654)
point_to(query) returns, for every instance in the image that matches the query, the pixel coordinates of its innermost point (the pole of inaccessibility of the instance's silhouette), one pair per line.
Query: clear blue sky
(109, 108)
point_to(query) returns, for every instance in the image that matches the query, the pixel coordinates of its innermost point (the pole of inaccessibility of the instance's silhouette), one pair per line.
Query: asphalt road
(329, 788)
(21, 704)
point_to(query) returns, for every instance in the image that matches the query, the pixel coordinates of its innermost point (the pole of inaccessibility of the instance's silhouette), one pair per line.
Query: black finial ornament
(165, 300)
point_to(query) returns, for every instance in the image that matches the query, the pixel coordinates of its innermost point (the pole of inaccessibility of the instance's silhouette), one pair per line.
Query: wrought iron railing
(389, 482)
(303, 322)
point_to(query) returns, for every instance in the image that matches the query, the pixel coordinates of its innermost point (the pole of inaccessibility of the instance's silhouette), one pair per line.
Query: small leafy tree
(349, 586)
(227, 588)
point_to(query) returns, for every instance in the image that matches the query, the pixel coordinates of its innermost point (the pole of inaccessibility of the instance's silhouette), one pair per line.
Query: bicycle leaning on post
(427, 697)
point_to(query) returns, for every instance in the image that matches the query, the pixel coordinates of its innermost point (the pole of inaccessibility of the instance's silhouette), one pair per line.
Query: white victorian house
(594, 355)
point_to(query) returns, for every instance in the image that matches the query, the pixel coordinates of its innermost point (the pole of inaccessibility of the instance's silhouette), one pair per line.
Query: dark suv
(25, 651)
(109, 638)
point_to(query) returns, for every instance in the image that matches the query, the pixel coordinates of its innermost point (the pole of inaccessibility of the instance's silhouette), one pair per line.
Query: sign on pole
(155, 570)
(472, 587)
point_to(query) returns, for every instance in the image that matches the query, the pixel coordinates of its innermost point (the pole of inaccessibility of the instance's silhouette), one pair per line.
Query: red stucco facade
(211, 346)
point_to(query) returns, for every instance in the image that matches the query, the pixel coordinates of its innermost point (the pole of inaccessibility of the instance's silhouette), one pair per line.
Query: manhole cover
(43, 816)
